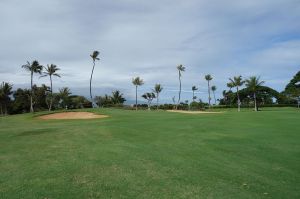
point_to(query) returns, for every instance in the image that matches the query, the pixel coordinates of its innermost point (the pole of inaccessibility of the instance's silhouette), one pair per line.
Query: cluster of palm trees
(208, 78)
(36, 68)
(149, 96)
(252, 83)
(51, 71)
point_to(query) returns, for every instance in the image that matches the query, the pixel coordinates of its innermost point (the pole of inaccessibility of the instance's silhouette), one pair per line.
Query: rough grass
(152, 155)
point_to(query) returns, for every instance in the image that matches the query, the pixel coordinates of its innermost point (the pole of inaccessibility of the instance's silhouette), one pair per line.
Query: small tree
(174, 102)
(194, 88)
(253, 83)
(214, 88)
(117, 97)
(51, 70)
(64, 95)
(237, 82)
(5, 92)
(149, 97)
(157, 89)
(208, 78)
(137, 82)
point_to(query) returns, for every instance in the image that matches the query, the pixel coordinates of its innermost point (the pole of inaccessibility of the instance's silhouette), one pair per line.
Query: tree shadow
(36, 132)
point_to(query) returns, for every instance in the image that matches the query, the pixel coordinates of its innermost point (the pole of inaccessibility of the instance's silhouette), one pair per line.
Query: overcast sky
(149, 39)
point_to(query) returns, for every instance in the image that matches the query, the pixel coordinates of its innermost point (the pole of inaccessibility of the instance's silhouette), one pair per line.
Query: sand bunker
(192, 112)
(71, 116)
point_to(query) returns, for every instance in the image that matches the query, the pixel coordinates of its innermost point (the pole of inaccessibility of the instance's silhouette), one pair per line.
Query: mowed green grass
(153, 154)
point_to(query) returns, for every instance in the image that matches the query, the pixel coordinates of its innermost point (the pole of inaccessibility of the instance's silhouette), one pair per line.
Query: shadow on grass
(36, 132)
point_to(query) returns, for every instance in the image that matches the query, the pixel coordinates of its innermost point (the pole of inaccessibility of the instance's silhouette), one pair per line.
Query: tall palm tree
(237, 82)
(149, 97)
(194, 88)
(214, 88)
(180, 69)
(253, 83)
(33, 68)
(94, 56)
(157, 89)
(51, 70)
(137, 82)
(5, 92)
(208, 78)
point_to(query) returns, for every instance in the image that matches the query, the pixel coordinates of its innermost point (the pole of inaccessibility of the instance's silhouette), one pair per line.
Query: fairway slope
(71, 115)
(190, 112)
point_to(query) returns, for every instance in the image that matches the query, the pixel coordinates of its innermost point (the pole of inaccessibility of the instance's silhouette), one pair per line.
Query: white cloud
(148, 39)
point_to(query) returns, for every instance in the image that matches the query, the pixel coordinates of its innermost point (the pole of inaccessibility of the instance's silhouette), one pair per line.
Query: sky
(149, 39)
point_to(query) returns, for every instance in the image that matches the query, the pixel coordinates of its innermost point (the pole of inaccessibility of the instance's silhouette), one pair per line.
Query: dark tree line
(263, 95)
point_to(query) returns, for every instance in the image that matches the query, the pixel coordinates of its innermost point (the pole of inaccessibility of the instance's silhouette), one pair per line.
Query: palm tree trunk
(215, 97)
(51, 93)
(136, 108)
(238, 96)
(91, 84)
(193, 96)
(5, 108)
(255, 105)
(31, 94)
(157, 101)
(1, 109)
(179, 94)
(208, 87)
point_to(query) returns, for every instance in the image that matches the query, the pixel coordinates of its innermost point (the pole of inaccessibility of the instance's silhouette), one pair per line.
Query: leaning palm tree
(33, 68)
(208, 78)
(94, 56)
(180, 69)
(253, 83)
(51, 70)
(137, 82)
(157, 89)
(237, 82)
(214, 88)
(194, 88)
(149, 97)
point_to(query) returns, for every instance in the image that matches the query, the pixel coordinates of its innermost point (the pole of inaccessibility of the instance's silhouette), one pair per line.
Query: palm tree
(180, 69)
(33, 68)
(253, 83)
(117, 97)
(51, 71)
(157, 89)
(174, 102)
(214, 88)
(94, 56)
(149, 97)
(194, 88)
(137, 82)
(237, 82)
(230, 85)
(64, 95)
(5, 92)
(208, 78)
